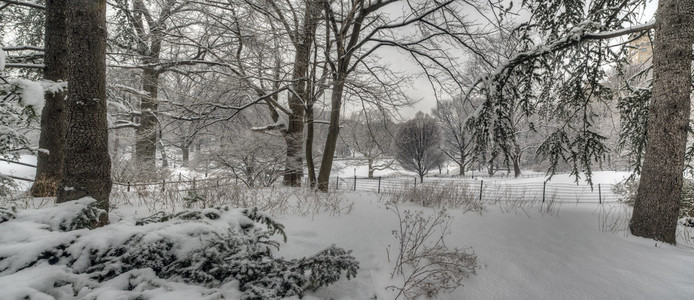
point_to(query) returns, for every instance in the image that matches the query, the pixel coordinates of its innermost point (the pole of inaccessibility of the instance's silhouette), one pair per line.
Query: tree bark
(49, 166)
(87, 165)
(658, 198)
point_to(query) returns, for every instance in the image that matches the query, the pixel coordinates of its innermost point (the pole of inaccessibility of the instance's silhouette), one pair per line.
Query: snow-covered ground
(523, 252)
(529, 251)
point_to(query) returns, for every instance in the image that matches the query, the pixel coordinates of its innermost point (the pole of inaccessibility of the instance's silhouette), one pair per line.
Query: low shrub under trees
(207, 252)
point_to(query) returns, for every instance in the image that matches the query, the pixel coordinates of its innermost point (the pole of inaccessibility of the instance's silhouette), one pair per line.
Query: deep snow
(574, 251)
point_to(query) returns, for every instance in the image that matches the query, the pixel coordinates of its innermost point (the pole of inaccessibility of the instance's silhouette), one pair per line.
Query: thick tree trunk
(516, 166)
(294, 165)
(516, 160)
(146, 144)
(49, 166)
(658, 198)
(87, 165)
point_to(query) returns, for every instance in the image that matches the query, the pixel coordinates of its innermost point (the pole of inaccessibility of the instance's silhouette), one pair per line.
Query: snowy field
(566, 251)
(525, 250)
(524, 254)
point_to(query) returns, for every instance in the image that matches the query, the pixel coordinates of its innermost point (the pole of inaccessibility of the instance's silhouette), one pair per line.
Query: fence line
(484, 189)
(487, 190)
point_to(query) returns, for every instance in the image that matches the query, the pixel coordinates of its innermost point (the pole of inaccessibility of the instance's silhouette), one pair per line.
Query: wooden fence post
(379, 184)
(415, 182)
(481, 187)
(193, 182)
(128, 186)
(163, 185)
(599, 194)
(337, 183)
(544, 187)
(355, 182)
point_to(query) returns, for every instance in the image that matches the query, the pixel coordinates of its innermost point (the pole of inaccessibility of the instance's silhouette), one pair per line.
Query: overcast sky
(421, 89)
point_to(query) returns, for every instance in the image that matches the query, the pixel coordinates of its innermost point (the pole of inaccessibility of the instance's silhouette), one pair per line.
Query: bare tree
(370, 134)
(458, 142)
(417, 145)
(359, 28)
(147, 31)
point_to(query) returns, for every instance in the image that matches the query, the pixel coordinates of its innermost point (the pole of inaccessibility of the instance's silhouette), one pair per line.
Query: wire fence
(475, 183)
(487, 189)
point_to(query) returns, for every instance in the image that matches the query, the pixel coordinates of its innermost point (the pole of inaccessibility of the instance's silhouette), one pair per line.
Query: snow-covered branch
(24, 3)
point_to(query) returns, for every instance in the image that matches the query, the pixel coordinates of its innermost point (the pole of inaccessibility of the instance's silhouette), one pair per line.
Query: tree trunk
(294, 165)
(658, 198)
(49, 166)
(186, 154)
(164, 157)
(146, 144)
(333, 133)
(310, 130)
(461, 172)
(87, 165)
(516, 160)
(371, 168)
(516, 166)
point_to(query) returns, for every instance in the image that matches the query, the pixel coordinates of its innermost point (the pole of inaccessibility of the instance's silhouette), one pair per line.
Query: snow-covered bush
(425, 264)
(208, 248)
(21, 102)
(437, 195)
(7, 213)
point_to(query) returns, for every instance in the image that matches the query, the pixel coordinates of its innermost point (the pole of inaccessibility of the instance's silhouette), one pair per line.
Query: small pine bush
(209, 248)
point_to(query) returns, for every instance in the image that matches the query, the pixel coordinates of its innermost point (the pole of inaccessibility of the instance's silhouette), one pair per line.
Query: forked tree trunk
(87, 165)
(294, 171)
(49, 166)
(658, 198)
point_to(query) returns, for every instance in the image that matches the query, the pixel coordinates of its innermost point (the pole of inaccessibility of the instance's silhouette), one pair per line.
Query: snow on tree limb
(24, 3)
